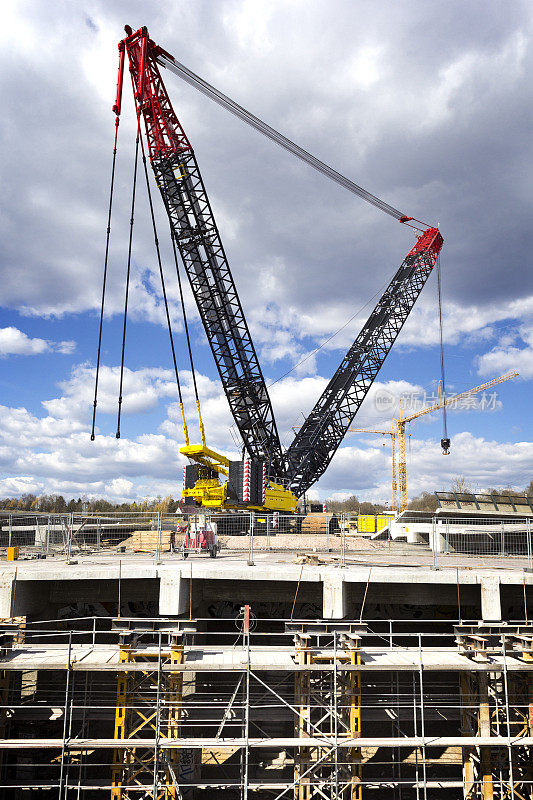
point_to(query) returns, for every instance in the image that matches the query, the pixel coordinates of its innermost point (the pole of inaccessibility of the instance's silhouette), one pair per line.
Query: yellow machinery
(211, 493)
(397, 434)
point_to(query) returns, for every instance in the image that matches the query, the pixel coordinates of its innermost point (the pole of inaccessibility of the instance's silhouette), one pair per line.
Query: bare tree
(460, 485)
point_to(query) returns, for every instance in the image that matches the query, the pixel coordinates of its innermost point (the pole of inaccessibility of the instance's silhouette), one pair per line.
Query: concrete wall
(43, 590)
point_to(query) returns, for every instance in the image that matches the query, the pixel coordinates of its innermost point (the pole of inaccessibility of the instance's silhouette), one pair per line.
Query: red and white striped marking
(275, 519)
(323, 508)
(246, 481)
(263, 493)
(183, 485)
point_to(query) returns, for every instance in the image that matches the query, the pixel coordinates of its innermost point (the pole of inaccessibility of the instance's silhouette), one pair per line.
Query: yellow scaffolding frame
(328, 704)
(494, 704)
(136, 712)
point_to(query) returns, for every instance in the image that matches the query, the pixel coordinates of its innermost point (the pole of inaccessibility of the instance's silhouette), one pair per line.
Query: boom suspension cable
(106, 259)
(186, 326)
(329, 338)
(130, 243)
(169, 325)
(445, 442)
(168, 61)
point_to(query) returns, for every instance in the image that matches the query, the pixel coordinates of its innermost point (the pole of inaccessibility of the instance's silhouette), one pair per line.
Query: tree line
(56, 504)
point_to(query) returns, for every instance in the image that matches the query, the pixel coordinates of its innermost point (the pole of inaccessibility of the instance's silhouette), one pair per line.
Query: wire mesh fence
(160, 535)
(40, 535)
(486, 537)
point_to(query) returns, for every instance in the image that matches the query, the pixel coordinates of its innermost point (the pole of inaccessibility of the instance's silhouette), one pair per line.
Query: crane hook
(445, 444)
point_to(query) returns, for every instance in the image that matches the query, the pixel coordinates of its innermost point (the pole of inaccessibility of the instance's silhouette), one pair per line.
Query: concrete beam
(491, 606)
(334, 602)
(173, 593)
(6, 595)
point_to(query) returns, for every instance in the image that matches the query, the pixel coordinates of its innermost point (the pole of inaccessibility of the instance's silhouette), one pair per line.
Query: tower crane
(402, 421)
(269, 477)
(393, 436)
(397, 434)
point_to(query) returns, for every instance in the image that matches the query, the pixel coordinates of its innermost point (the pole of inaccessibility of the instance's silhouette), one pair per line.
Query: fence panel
(483, 537)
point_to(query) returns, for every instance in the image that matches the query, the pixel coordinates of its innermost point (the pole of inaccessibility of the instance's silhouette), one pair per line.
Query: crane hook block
(445, 444)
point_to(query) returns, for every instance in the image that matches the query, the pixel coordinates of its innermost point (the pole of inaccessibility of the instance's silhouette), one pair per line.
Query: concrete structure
(359, 674)
(42, 587)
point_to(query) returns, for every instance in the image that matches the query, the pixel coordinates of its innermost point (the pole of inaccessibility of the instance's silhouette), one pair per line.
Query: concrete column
(334, 602)
(437, 539)
(173, 594)
(491, 607)
(6, 593)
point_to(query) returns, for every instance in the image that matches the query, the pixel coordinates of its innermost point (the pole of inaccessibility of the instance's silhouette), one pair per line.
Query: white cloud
(14, 342)
(293, 240)
(509, 355)
(142, 390)
(305, 255)
(366, 471)
(53, 453)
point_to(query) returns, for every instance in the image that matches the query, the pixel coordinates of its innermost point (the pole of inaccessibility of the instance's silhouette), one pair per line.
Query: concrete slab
(271, 570)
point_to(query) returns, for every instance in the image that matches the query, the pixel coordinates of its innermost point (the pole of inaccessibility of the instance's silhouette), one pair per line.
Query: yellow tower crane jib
(397, 434)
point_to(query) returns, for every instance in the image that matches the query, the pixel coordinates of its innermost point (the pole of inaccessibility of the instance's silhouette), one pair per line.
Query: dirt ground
(302, 542)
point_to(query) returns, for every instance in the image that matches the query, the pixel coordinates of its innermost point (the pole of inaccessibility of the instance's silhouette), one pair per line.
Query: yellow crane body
(212, 494)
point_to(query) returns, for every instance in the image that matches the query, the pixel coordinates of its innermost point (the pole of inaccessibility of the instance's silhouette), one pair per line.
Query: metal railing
(160, 535)
(427, 698)
(509, 538)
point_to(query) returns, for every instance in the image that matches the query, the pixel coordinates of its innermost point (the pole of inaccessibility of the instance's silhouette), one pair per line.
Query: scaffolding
(495, 704)
(276, 709)
(149, 702)
(328, 705)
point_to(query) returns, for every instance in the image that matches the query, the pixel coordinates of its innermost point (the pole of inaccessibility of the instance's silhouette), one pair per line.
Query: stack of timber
(320, 523)
(148, 541)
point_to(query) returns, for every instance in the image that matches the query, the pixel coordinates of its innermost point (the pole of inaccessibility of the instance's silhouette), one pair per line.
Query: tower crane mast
(402, 421)
(397, 434)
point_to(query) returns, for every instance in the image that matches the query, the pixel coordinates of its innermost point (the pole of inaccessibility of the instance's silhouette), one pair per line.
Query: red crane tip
(128, 29)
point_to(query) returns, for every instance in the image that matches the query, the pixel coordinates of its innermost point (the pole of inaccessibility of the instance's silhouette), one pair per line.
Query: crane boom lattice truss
(196, 236)
(318, 439)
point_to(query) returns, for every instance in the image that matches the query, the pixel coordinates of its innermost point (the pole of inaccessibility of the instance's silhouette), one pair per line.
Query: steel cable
(442, 374)
(130, 243)
(166, 60)
(185, 322)
(156, 240)
(106, 259)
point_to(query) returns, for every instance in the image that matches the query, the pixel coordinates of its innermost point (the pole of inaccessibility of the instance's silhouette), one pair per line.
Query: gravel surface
(302, 542)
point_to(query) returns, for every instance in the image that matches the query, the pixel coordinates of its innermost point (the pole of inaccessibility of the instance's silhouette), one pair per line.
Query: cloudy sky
(426, 104)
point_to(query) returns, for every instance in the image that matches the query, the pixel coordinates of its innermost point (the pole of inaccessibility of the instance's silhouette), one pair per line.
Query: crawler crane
(268, 477)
